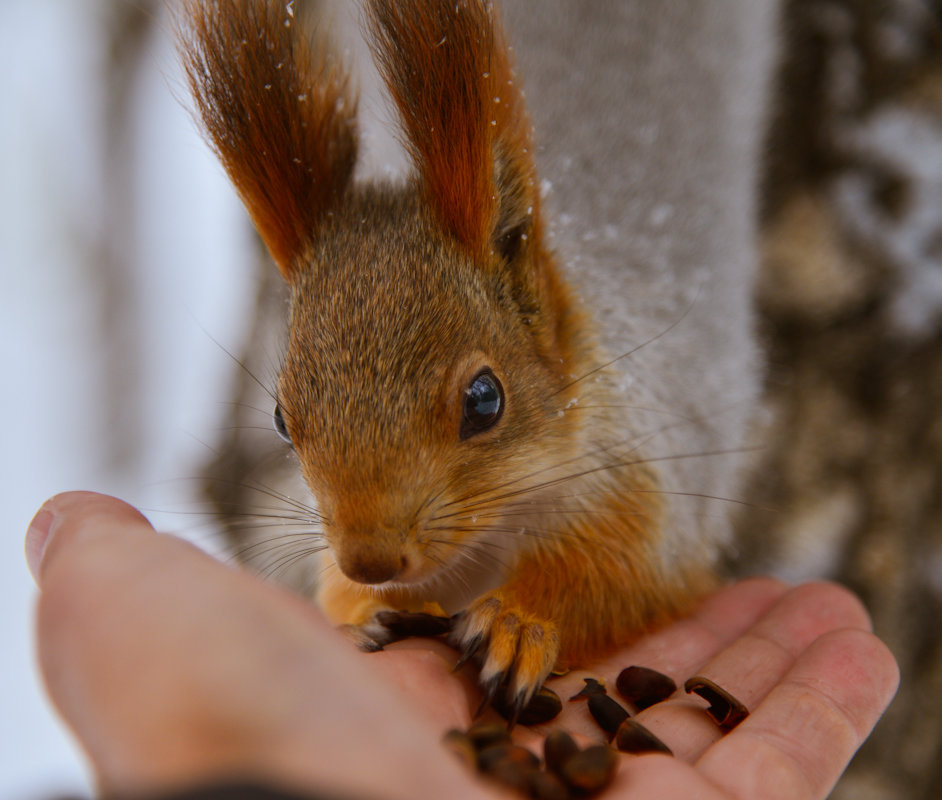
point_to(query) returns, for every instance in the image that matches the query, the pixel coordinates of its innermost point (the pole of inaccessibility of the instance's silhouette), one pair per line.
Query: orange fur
(350, 603)
(400, 296)
(448, 69)
(278, 113)
(603, 577)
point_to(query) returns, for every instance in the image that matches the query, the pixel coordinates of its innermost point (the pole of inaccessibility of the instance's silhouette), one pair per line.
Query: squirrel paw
(516, 650)
(370, 637)
(387, 626)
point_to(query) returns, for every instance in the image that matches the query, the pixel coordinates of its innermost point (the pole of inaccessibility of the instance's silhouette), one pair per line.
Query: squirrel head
(431, 338)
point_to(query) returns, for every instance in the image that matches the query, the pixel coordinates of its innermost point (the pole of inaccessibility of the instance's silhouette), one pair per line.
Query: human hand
(803, 660)
(173, 669)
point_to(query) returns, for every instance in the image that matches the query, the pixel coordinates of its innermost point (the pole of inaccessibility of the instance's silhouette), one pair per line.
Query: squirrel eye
(483, 404)
(279, 421)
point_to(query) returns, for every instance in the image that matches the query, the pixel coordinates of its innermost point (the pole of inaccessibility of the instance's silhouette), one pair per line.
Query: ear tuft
(277, 111)
(449, 71)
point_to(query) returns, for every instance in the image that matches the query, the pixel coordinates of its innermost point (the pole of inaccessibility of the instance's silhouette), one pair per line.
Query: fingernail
(36, 536)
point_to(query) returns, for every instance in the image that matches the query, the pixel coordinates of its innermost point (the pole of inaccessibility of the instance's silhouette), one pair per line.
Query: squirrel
(487, 429)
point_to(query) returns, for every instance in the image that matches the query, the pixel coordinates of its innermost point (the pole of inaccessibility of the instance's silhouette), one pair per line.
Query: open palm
(173, 669)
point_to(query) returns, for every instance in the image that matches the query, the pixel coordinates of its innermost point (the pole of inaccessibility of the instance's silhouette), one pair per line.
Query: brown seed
(633, 737)
(558, 748)
(592, 687)
(403, 624)
(726, 710)
(643, 687)
(607, 712)
(546, 786)
(461, 745)
(484, 734)
(491, 757)
(590, 770)
(543, 706)
(512, 775)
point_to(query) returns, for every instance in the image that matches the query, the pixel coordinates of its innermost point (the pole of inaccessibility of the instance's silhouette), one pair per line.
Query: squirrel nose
(371, 571)
(369, 564)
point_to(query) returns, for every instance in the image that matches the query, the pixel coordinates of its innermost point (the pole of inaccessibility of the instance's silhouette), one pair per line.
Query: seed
(726, 710)
(633, 737)
(512, 775)
(558, 748)
(546, 786)
(461, 745)
(490, 758)
(543, 706)
(403, 624)
(590, 770)
(484, 734)
(592, 687)
(643, 687)
(607, 713)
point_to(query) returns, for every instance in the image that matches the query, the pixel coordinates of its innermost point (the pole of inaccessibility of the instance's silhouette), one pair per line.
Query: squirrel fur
(520, 405)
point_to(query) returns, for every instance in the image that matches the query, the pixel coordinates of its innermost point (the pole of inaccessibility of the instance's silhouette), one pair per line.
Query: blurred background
(128, 272)
(131, 284)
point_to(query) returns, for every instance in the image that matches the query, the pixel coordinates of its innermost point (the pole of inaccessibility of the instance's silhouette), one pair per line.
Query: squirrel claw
(471, 649)
(517, 705)
(370, 637)
(510, 706)
(490, 689)
(518, 651)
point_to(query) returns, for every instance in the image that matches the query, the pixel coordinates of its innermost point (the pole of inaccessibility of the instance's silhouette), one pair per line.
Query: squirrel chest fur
(452, 408)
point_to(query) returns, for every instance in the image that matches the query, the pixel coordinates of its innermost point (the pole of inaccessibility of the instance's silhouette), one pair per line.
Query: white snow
(909, 145)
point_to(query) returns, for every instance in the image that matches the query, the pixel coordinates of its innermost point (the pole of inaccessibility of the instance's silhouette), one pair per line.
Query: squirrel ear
(449, 71)
(276, 110)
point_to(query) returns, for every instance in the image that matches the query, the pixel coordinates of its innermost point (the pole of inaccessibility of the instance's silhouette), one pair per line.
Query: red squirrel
(454, 412)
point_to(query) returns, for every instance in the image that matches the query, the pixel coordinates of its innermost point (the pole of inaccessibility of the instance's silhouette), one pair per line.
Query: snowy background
(93, 144)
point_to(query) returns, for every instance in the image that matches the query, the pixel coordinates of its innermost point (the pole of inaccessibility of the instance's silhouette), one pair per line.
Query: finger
(721, 619)
(174, 669)
(423, 671)
(122, 616)
(661, 776)
(799, 739)
(677, 650)
(105, 576)
(755, 662)
(72, 515)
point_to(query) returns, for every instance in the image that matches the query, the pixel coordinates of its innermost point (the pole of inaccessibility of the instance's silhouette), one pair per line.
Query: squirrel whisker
(286, 561)
(438, 334)
(274, 494)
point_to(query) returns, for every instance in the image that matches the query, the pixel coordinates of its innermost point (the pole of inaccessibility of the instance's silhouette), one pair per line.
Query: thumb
(69, 519)
(173, 669)
(120, 609)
